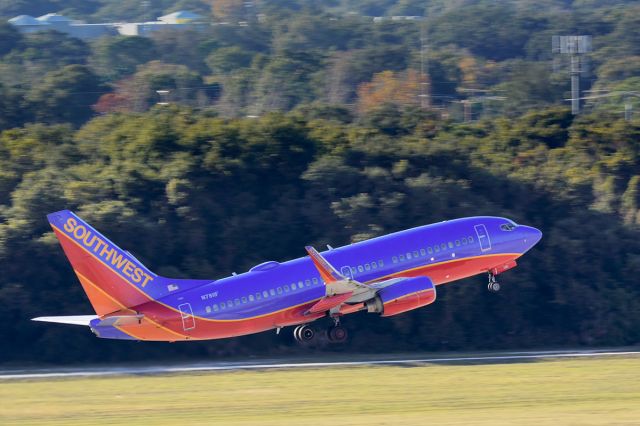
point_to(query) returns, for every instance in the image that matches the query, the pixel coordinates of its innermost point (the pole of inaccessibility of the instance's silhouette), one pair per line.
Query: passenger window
(286, 288)
(236, 302)
(251, 299)
(307, 282)
(402, 258)
(450, 244)
(464, 241)
(429, 250)
(279, 290)
(470, 239)
(244, 299)
(380, 263)
(457, 243)
(208, 309)
(315, 281)
(367, 267)
(300, 285)
(443, 246)
(258, 296)
(215, 308)
(423, 252)
(229, 304)
(222, 305)
(394, 259)
(272, 292)
(436, 248)
(408, 256)
(265, 293)
(415, 254)
(374, 265)
(360, 268)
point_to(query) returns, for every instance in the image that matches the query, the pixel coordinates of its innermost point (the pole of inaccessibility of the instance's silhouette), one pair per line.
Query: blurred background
(208, 136)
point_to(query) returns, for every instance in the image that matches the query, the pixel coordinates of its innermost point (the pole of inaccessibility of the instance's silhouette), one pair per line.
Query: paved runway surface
(291, 364)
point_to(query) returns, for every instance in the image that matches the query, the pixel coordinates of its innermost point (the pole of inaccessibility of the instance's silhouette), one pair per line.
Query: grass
(585, 392)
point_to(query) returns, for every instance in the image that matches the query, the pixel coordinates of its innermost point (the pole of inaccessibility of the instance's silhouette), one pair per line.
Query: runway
(267, 364)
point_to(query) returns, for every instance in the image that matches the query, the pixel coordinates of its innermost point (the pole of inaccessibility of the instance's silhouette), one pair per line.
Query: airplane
(386, 275)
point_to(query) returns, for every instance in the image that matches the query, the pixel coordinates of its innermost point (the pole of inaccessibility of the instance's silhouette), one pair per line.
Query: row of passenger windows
(432, 249)
(221, 306)
(367, 267)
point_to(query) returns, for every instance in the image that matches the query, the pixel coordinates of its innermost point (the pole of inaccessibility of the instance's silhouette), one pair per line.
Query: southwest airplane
(386, 275)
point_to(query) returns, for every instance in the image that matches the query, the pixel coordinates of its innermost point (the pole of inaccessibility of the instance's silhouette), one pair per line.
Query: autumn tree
(400, 88)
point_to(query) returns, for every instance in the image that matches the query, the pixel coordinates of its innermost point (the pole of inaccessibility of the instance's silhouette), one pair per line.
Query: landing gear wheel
(304, 334)
(337, 334)
(493, 285)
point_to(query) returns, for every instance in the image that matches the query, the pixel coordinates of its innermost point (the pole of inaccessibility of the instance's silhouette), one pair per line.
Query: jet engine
(403, 296)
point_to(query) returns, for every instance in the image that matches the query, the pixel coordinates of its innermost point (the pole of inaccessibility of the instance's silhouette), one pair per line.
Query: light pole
(575, 46)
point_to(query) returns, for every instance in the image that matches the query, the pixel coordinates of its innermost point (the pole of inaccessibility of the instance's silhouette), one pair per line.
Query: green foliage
(63, 95)
(115, 57)
(199, 188)
(195, 195)
(9, 38)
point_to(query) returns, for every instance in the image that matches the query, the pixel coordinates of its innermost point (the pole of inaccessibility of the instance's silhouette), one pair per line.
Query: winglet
(327, 272)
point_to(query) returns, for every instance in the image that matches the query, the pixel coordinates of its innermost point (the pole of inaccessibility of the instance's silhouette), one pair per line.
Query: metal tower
(574, 46)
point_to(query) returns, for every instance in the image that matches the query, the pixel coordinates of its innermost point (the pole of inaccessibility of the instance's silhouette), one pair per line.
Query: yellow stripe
(410, 294)
(127, 309)
(171, 307)
(395, 274)
(281, 310)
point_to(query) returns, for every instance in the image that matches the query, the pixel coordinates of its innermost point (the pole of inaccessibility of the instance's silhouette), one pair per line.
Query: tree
(115, 57)
(228, 59)
(140, 91)
(388, 87)
(9, 38)
(66, 95)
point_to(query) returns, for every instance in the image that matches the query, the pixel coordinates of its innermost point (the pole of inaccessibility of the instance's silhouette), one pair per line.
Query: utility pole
(626, 98)
(425, 101)
(575, 47)
(628, 110)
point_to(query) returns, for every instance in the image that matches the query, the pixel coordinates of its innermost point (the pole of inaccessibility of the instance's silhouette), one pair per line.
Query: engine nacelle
(404, 296)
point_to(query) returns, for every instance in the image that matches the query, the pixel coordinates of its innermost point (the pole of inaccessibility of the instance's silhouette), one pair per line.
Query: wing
(339, 289)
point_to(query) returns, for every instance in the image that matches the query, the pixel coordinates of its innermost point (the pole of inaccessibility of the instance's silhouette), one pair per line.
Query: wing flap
(329, 302)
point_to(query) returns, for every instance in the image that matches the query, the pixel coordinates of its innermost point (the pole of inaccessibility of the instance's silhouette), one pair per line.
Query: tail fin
(112, 278)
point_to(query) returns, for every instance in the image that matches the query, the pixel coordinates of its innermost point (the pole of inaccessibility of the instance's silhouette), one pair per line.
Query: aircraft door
(186, 314)
(483, 237)
(346, 271)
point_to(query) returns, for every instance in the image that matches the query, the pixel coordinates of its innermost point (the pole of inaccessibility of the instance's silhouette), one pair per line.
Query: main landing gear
(337, 333)
(493, 285)
(305, 334)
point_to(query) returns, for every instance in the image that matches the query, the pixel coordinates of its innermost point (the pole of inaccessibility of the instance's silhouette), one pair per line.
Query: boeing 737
(387, 275)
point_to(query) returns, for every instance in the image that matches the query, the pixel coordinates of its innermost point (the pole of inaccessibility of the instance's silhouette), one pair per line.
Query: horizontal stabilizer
(73, 319)
(119, 321)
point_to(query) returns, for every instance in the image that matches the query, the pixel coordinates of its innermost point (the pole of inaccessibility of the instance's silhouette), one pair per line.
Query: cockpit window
(507, 226)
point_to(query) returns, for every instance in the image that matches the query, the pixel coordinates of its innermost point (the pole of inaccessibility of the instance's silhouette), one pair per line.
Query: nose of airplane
(531, 235)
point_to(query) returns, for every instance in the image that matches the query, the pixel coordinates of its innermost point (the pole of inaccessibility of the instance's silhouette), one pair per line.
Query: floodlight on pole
(575, 46)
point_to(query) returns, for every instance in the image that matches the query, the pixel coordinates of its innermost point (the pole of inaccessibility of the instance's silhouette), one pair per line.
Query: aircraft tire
(304, 334)
(337, 334)
(494, 287)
